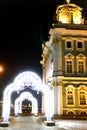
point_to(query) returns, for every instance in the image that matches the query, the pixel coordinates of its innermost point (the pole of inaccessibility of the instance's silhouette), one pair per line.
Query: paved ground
(37, 123)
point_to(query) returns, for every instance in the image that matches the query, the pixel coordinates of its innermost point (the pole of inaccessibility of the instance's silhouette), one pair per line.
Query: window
(82, 95)
(80, 45)
(82, 98)
(69, 64)
(83, 113)
(70, 95)
(81, 64)
(68, 45)
(70, 113)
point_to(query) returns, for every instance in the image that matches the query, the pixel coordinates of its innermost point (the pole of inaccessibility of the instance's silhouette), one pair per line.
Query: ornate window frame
(70, 95)
(82, 96)
(81, 64)
(69, 57)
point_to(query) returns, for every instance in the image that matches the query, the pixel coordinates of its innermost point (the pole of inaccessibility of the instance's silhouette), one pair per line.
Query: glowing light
(23, 96)
(7, 101)
(33, 81)
(1, 68)
(29, 79)
(48, 103)
(63, 18)
(68, 1)
(17, 106)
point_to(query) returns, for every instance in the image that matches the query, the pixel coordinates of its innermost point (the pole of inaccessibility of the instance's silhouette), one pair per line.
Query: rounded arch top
(29, 79)
(26, 74)
(26, 95)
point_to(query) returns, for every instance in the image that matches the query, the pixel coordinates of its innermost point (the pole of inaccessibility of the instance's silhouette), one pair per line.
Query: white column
(55, 100)
(43, 103)
(20, 106)
(58, 100)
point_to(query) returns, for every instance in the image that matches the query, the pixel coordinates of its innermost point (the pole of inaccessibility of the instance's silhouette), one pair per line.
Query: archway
(23, 96)
(30, 80)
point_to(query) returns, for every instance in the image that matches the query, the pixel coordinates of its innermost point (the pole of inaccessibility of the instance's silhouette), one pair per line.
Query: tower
(64, 61)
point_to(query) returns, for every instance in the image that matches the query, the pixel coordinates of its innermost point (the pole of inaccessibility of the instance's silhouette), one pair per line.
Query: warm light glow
(77, 17)
(68, 1)
(63, 18)
(1, 68)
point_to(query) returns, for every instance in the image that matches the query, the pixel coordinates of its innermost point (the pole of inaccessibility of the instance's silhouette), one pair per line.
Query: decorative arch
(83, 113)
(23, 96)
(29, 79)
(32, 81)
(71, 113)
(82, 87)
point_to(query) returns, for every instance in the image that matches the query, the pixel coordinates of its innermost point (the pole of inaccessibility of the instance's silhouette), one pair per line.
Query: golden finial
(68, 1)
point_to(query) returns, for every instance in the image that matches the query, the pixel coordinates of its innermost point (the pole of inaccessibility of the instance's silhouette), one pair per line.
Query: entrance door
(26, 106)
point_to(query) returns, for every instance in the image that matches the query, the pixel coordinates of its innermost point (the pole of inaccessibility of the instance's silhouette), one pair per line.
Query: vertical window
(81, 67)
(80, 45)
(69, 66)
(68, 45)
(70, 95)
(81, 64)
(82, 98)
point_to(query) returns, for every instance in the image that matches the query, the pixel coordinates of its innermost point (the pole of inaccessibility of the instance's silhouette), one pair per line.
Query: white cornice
(64, 31)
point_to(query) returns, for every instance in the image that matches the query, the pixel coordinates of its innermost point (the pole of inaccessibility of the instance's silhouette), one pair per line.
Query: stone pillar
(58, 102)
(57, 56)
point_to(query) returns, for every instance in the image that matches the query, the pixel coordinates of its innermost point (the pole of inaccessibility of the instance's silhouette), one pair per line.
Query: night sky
(24, 26)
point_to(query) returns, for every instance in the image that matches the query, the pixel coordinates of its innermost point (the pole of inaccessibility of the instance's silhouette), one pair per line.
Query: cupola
(69, 13)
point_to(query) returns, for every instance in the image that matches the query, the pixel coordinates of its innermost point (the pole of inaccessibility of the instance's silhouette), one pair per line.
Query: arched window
(70, 113)
(82, 95)
(83, 113)
(69, 64)
(64, 15)
(70, 95)
(77, 16)
(82, 98)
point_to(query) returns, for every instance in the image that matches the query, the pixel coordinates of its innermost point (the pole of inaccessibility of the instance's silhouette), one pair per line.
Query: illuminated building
(64, 61)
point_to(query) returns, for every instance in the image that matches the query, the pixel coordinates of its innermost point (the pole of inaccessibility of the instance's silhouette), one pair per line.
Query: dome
(69, 13)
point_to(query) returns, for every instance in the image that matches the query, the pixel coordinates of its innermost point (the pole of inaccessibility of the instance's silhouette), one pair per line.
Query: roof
(72, 6)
